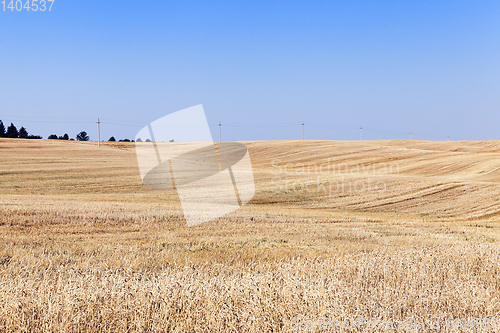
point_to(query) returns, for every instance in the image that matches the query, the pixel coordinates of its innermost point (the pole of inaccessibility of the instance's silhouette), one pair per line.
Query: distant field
(394, 230)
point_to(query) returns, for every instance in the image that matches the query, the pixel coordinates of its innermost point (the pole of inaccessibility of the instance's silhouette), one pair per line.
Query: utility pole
(302, 130)
(361, 132)
(98, 132)
(220, 132)
(410, 135)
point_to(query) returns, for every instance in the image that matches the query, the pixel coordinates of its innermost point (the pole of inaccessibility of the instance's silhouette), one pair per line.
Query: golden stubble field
(382, 230)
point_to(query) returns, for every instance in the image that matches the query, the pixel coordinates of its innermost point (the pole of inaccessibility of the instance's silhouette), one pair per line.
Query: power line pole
(361, 132)
(410, 135)
(220, 132)
(98, 132)
(302, 130)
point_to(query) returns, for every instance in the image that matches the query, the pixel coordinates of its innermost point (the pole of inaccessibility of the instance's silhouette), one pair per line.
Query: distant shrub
(112, 139)
(2, 129)
(82, 136)
(23, 133)
(12, 131)
(52, 137)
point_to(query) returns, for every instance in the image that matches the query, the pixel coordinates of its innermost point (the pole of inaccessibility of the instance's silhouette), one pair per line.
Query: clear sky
(259, 67)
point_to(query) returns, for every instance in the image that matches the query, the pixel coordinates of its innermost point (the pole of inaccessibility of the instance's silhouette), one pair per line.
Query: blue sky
(261, 68)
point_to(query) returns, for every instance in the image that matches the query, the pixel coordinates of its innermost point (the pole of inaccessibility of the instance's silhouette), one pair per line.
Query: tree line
(22, 133)
(12, 132)
(82, 136)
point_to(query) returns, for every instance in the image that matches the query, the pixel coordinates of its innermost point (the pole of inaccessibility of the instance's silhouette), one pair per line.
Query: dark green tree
(112, 138)
(23, 133)
(65, 136)
(52, 137)
(82, 136)
(2, 129)
(12, 131)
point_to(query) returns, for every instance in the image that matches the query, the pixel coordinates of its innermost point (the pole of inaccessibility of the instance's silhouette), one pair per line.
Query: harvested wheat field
(401, 231)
